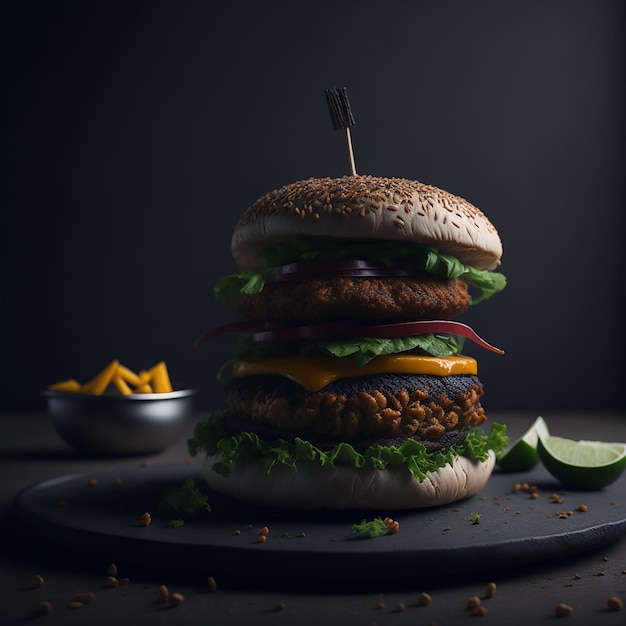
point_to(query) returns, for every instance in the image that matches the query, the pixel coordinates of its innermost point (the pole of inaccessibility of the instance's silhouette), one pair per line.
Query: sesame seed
(75, 604)
(85, 597)
(363, 193)
(43, 608)
(563, 610)
(473, 602)
(424, 599)
(491, 590)
(176, 599)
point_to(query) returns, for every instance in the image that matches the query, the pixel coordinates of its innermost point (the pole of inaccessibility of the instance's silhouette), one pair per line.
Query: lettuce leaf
(488, 283)
(210, 437)
(230, 286)
(364, 349)
(389, 253)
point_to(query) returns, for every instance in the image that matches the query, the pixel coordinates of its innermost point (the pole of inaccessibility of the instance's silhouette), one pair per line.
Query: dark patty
(389, 298)
(386, 406)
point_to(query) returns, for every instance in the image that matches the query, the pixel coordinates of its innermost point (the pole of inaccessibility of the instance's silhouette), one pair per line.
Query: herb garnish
(185, 498)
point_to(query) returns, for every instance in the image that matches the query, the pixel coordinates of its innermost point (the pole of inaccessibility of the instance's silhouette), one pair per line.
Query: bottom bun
(314, 486)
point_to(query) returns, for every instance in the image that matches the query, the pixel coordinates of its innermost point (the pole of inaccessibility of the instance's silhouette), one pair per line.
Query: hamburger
(349, 388)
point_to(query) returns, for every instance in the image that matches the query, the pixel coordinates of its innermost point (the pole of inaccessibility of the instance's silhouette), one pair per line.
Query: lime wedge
(522, 454)
(582, 464)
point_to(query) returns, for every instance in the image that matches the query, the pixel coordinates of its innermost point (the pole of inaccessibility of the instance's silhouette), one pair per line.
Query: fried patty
(388, 298)
(385, 406)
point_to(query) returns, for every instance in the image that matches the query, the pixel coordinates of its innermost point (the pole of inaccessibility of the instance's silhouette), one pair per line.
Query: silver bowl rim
(134, 397)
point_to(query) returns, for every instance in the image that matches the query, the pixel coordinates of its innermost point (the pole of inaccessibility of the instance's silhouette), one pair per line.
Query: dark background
(135, 133)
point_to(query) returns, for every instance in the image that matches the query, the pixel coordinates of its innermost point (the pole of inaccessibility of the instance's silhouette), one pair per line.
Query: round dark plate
(499, 527)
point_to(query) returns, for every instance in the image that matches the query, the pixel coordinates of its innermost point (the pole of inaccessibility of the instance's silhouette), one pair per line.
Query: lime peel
(522, 455)
(582, 464)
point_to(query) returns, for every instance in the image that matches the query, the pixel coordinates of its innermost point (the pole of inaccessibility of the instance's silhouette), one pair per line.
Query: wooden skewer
(350, 152)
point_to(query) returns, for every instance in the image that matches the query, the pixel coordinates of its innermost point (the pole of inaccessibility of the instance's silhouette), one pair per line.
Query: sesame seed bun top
(367, 207)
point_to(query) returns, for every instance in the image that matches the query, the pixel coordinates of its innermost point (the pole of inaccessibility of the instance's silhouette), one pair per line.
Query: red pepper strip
(268, 331)
(249, 326)
(405, 329)
(348, 328)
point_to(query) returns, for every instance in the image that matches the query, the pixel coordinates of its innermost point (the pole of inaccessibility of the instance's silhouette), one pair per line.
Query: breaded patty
(384, 406)
(392, 299)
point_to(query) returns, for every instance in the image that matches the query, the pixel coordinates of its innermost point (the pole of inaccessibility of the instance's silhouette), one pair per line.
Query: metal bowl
(120, 425)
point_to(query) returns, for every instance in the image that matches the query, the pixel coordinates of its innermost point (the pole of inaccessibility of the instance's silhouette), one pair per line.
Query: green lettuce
(230, 286)
(364, 349)
(416, 256)
(210, 437)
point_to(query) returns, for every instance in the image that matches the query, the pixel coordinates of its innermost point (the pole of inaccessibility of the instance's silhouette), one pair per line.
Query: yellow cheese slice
(314, 373)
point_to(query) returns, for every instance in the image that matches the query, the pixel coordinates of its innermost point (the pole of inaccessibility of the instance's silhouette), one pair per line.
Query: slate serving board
(511, 527)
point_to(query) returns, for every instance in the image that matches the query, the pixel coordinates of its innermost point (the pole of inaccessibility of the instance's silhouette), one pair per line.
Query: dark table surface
(32, 452)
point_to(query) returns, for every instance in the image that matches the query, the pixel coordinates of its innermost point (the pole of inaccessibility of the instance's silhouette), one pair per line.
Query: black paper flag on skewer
(339, 107)
(341, 115)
